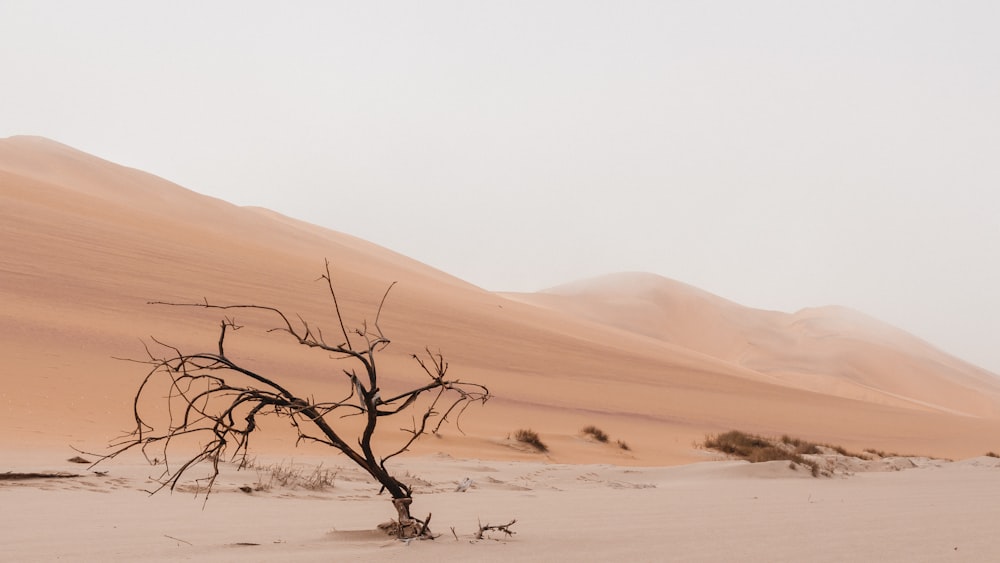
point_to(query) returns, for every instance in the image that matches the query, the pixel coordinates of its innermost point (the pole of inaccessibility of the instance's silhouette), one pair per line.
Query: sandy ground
(710, 511)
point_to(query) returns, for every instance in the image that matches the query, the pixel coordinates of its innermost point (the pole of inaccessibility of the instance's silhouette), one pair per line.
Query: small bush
(992, 454)
(623, 445)
(530, 437)
(596, 433)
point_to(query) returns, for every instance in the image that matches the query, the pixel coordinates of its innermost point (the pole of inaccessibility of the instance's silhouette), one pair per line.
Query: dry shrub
(596, 433)
(530, 437)
(623, 445)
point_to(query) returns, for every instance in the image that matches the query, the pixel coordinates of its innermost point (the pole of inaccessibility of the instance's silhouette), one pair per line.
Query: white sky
(779, 154)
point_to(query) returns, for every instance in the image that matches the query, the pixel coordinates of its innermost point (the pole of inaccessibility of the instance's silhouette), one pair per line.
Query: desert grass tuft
(530, 437)
(623, 445)
(596, 433)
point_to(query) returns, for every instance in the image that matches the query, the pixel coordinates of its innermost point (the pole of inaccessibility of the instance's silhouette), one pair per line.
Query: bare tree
(217, 401)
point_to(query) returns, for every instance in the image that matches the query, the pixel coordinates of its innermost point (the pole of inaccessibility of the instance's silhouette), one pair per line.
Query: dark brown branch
(505, 528)
(336, 306)
(379, 312)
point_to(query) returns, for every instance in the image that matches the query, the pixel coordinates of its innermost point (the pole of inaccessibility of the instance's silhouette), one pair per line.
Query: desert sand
(708, 511)
(86, 243)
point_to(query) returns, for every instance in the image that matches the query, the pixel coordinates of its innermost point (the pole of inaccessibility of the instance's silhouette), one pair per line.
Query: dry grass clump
(992, 454)
(602, 437)
(756, 449)
(596, 433)
(882, 453)
(291, 476)
(801, 446)
(737, 443)
(530, 437)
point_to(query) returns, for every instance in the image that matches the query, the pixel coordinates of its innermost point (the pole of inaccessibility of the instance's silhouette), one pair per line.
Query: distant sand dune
(830, 350)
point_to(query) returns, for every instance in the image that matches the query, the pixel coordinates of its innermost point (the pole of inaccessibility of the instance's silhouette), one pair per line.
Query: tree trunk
(408, 527)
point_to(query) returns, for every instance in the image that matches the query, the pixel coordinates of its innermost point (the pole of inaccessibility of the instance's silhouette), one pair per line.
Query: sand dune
(830, 350)
(86, 243)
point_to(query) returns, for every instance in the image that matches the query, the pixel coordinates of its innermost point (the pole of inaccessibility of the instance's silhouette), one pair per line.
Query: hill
(86, 243)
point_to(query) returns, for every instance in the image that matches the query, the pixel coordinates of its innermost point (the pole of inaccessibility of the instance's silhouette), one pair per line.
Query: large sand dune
(86, 243)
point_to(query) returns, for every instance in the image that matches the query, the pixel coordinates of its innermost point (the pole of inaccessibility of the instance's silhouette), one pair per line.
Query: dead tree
(217, 401)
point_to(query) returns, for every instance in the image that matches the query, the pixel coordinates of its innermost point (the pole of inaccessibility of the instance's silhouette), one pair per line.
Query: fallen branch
(177, 539)
(9, 476)
(505, 528)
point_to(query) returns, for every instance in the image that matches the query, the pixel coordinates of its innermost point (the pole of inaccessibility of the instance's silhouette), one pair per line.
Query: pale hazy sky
(779, 154)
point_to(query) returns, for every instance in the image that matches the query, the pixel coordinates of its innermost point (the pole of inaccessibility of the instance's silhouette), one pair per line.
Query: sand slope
(831, 350)
(85, 243)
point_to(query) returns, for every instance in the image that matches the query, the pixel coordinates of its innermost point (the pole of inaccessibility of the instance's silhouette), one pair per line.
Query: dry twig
(505, 528)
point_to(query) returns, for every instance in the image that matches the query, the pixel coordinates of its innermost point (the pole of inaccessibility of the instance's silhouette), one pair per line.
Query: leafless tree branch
(217, 401)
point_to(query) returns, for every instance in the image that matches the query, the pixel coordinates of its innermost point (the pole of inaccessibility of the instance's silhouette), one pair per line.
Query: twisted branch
(211, 395)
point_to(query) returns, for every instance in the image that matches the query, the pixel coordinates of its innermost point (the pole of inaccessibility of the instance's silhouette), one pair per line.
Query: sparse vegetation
(992, 454)
(596, 433)
(847, 453)
(756, 449)
(602, 437)
(291, 476)
(530, 437)
(883, 453)
(740, 444)
(802, 447)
